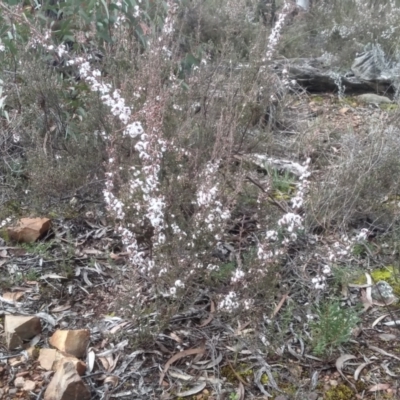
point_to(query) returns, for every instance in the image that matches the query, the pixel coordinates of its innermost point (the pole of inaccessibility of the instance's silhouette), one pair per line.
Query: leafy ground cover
(219, 230)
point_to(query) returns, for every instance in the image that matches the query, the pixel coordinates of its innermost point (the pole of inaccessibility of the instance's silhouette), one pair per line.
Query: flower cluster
(319, 281)
(144, 178)
(290, 224)
(229, 303)
(274, 37)
(211, 211)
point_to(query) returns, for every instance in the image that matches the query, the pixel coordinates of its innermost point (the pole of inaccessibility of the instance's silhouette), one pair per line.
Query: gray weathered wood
(370, 70)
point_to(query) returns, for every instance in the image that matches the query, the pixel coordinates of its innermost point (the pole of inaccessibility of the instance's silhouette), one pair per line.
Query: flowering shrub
(179, 196)
(180, 130)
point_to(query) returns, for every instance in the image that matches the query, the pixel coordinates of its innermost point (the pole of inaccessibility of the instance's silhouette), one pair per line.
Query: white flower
(230, 302)
(363, 235)
(326, 270)
(272, 235)
(239, 274)
(134, 129)
(319, 282)
(179, 283)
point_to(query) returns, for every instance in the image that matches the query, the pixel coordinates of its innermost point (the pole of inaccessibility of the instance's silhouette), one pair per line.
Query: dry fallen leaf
(210, 317)
(116, 328)
(196, 389)
(91, 357)
(178, 356)
(378, 387)
(339, 365)
(359, 369)
(13, 296)
(104, 362)
(52, 276)
(240, 392)
(112, 379)
(280, 304)
(93, 252)
(383, 352)
(379, 319)
(61, 308)
(174, 336)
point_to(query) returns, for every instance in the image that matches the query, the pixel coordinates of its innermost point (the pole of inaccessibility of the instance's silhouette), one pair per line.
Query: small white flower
(272, 235)
(326, 270)
(179, 283)
(238, 275)
(363, 235)
(319, 282)
(230, 302)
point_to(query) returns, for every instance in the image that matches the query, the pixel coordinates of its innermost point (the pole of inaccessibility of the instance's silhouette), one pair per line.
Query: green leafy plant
(333, 327)
(39, 248)
(362, 249)
(283, 185)
(32, 275)
(343, 274)
(224, 272)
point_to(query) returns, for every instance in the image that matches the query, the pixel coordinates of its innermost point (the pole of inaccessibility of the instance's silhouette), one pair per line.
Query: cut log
(371, 69)
(19, 327)
(73, 342)
(67, 385)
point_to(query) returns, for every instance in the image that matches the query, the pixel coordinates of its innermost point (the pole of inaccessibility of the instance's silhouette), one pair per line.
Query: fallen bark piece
(28, 230)
(73, 342)
(51, 359)
(67, 385)
(18, 328)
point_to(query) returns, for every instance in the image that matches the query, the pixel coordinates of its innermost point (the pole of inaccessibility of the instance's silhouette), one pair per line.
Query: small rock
(19, 382)
(387, 337)
(29, 386)
(18, 328)
(73, 342)
(382, 291)
(66, 384)
(371, 98)
(28, 230)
